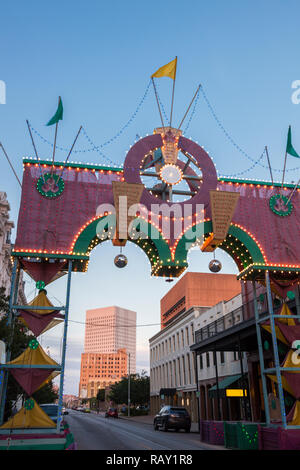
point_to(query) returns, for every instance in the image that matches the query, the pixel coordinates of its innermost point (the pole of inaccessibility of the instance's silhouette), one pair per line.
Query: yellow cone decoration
(41, 300)
(286, 311)
(296, 416)
(34, 357)
(285, 385)
(31, 416)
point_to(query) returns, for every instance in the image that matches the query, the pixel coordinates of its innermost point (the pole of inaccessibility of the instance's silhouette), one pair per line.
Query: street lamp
(128, 385)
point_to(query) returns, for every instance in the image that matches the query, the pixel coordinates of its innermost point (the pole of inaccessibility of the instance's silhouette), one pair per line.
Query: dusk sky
(99, 56)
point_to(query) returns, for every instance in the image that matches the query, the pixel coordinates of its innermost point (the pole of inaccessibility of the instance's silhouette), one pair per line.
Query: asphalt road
(95, 432)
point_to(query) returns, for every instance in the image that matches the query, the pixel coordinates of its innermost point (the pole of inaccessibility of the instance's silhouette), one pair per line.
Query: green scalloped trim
(281, 213)
(43, 179)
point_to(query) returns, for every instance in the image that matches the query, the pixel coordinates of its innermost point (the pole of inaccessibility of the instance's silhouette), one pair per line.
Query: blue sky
(99, 57)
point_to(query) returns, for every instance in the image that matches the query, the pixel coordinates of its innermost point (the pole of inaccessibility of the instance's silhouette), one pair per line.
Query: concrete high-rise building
(109, 331)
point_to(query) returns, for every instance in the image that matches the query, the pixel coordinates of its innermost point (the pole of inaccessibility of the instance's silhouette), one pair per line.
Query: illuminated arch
(239, 244)
(151, 241)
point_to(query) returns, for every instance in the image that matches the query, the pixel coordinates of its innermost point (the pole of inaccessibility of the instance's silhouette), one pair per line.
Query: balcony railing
(245, 312)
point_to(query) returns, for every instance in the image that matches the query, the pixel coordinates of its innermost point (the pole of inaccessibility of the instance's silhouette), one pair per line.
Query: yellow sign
(236, 392)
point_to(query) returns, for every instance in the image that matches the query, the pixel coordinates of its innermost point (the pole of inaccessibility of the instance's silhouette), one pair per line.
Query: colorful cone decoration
(38, 320)
(125, 196)
(30, 416)
(285, 384)
(292, 378)
(293, 418)
(30, 378)
(52, 376)
(44, 271)
(280, 324)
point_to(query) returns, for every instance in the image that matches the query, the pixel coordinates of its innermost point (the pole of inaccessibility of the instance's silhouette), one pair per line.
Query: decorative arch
(102, 228)
(239, 244)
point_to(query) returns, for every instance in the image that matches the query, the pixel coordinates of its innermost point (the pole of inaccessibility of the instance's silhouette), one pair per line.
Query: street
(95, 432)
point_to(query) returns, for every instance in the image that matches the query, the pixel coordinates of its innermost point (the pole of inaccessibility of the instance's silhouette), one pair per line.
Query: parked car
(172, 417)
(111, 413)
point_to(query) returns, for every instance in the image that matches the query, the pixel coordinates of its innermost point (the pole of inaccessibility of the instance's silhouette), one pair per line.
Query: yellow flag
(168, 70)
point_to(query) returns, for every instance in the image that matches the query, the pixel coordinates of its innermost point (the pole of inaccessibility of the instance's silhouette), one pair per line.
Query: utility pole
(128, 385)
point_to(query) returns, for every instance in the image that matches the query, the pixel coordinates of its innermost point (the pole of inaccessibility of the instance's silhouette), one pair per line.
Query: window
(201, 361)
(222, 357)
(187, 335)
(207, 359)
(179, 372)
(189, 368)
(183, 370)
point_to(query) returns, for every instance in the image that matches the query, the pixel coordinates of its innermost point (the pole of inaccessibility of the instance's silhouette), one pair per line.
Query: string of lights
(193, 112)
(232, 141)
(247, 169)
(107, 142)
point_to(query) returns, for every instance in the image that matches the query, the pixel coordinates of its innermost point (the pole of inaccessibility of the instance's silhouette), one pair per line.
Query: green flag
(58, 115)
(289, 148)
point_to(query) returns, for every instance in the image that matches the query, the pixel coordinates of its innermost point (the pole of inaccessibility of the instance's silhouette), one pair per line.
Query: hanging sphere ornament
(215, 266)
(120, 261)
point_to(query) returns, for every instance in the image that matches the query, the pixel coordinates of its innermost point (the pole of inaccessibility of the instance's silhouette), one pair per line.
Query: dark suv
(172, 417)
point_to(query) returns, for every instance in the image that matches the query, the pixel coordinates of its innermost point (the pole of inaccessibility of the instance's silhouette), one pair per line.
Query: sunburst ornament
(171, 174)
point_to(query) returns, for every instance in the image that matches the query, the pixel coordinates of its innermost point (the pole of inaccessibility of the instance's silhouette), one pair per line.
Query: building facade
(99, 371)
(197, 289)
(174, 378)
(6, 227)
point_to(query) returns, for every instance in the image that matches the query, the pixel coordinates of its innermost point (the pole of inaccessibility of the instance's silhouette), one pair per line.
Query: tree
(46, 394)
(101, 394)
(139, 390)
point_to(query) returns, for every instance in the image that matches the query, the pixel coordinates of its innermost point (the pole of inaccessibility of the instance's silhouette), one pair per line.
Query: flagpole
(283, 170)
(173, 94)
(189, 106)
(55, 135)
(7, 158)
(267, 153)
(292, 193)
(157, 102)
(34, 147)
(69, 153)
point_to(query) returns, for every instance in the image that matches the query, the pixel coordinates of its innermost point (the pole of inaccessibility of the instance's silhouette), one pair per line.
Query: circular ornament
(29, 404)
(171, 174)
(290, 295)
(33, 343)
(40, 285)
(50, 185)
(280, 206)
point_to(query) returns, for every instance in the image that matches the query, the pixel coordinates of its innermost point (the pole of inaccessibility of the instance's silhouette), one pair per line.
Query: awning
(223, 385)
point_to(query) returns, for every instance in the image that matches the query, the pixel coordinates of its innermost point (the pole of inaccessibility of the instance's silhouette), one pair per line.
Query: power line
(115, 326)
